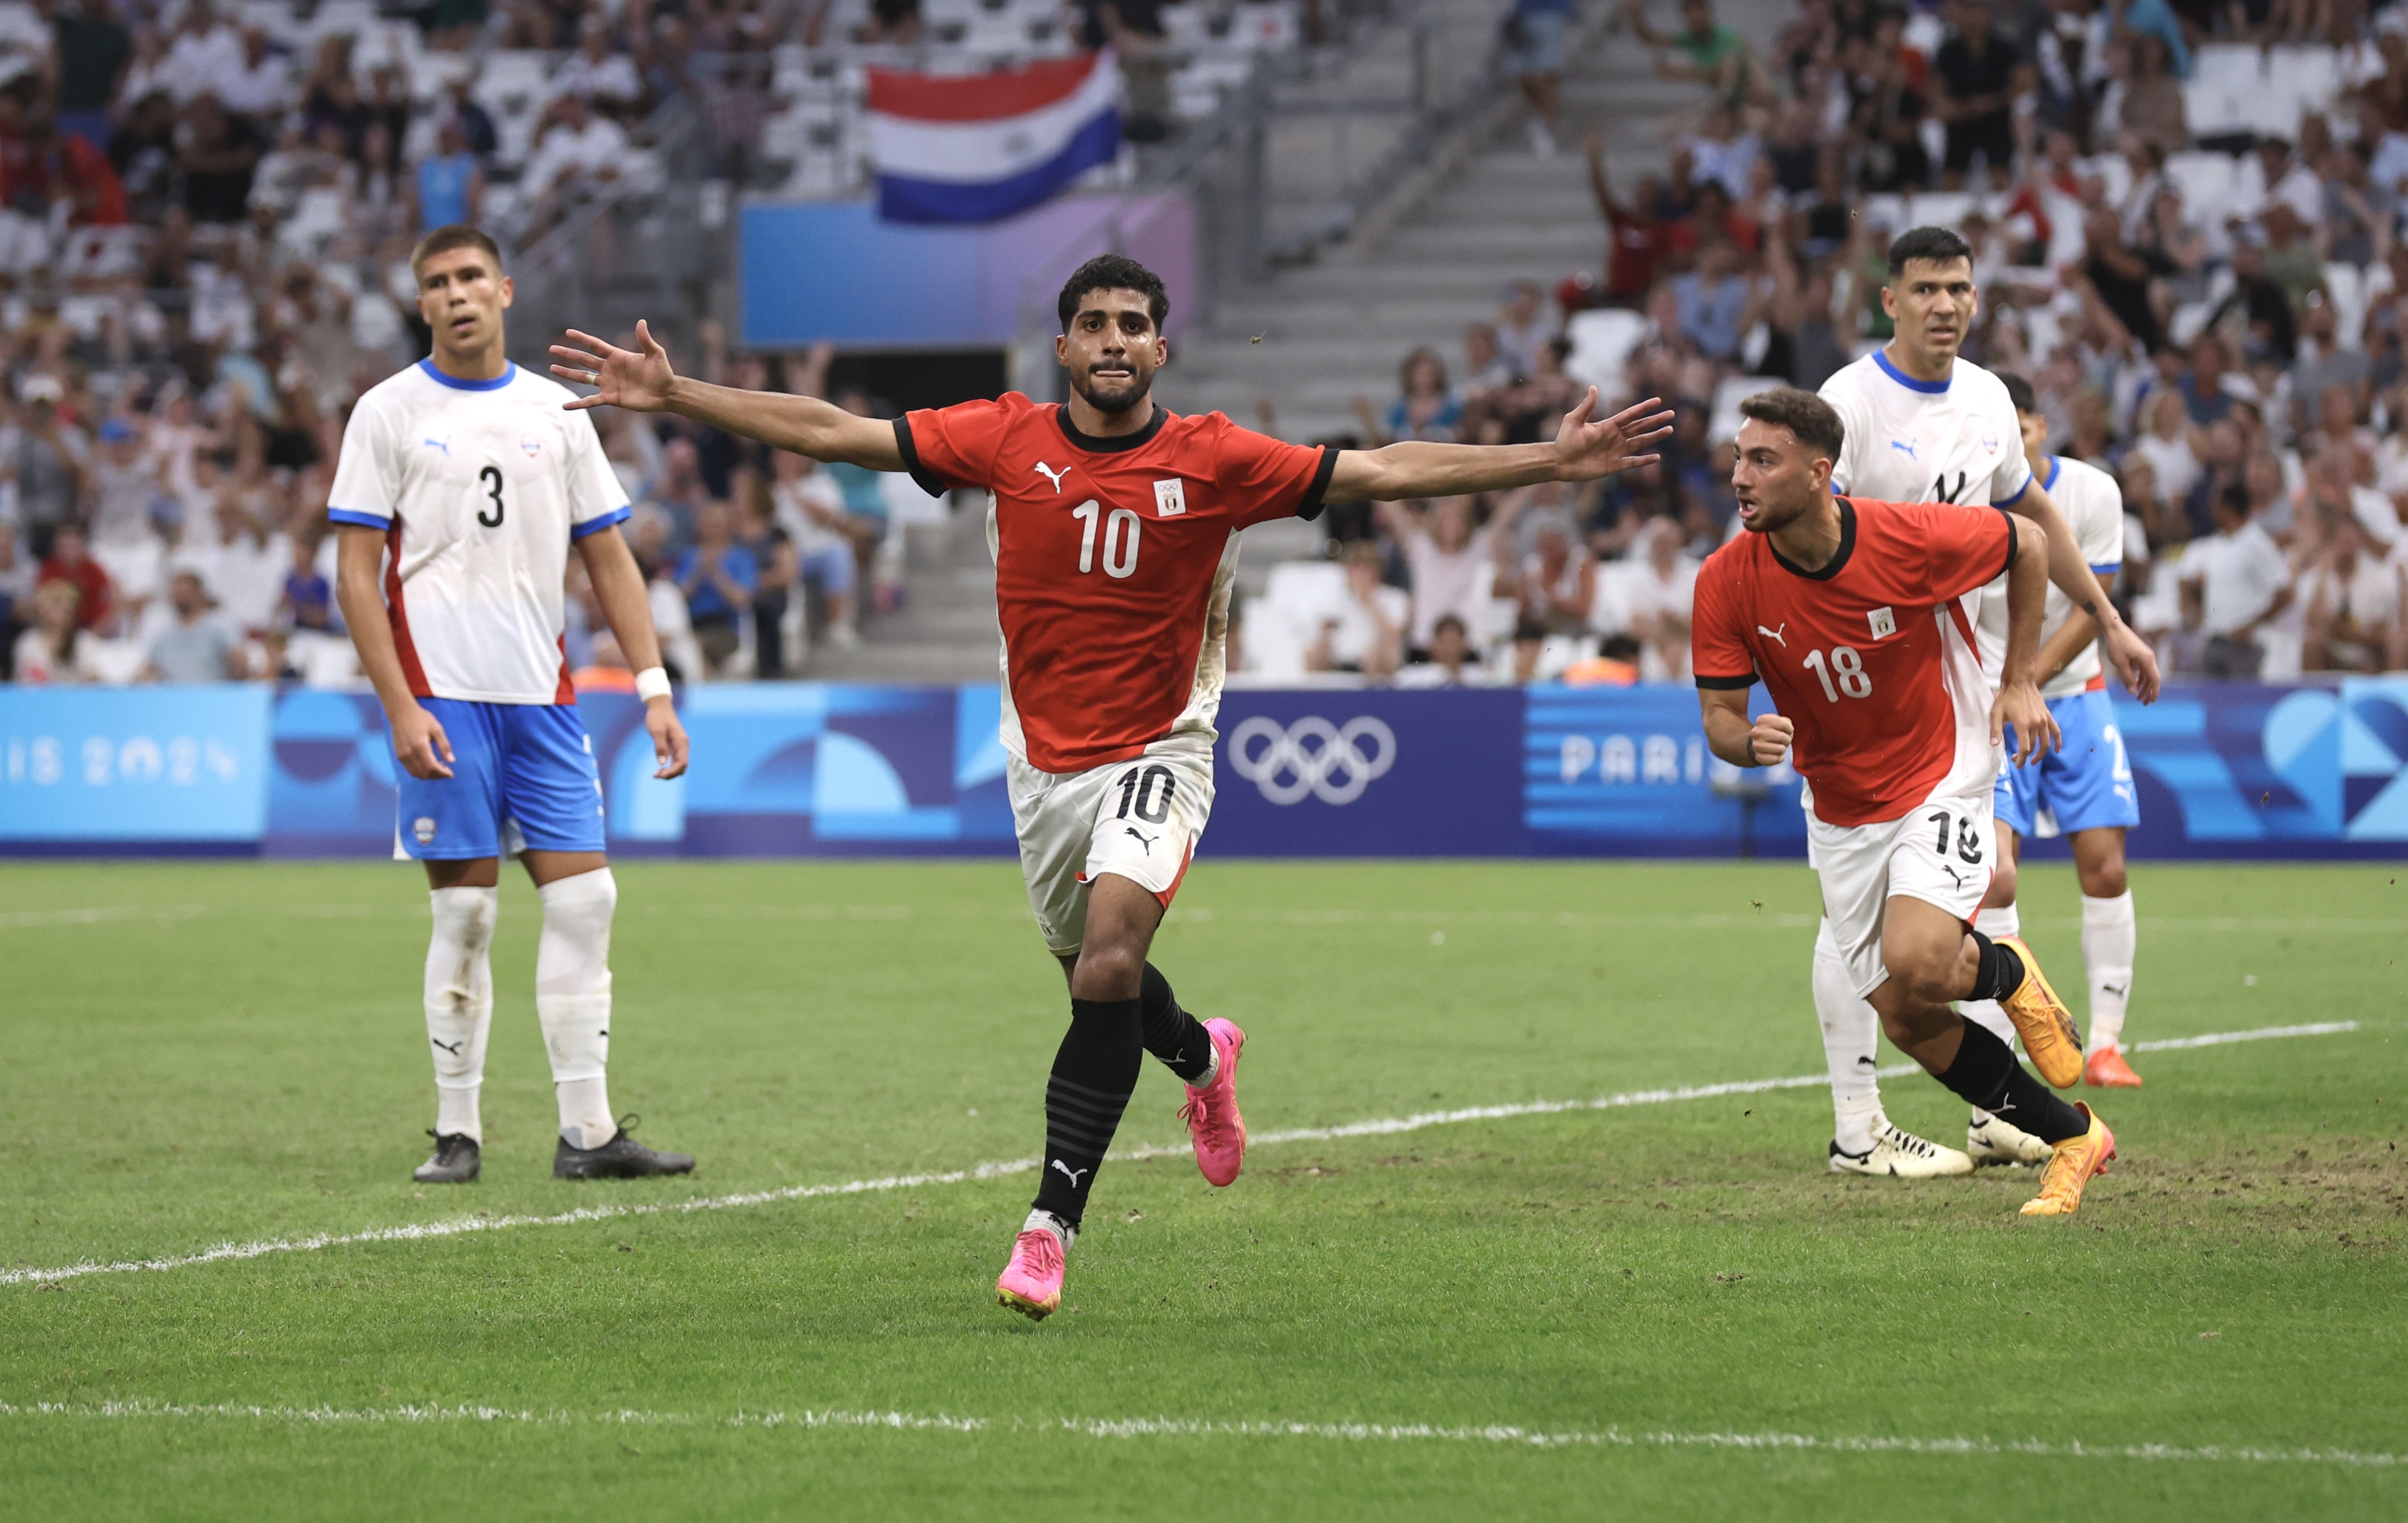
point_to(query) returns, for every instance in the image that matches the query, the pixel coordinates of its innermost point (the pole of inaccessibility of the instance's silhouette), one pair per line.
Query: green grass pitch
(1708, 1324)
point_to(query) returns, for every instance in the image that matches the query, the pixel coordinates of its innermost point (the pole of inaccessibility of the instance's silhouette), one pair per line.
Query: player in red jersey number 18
(1850, 612)
(1115, 525)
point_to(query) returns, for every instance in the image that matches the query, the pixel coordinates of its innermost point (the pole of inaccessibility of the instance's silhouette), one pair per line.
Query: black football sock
(1985, 1073)
(1094, 1073)
(1172, 1034)
(1999, 973)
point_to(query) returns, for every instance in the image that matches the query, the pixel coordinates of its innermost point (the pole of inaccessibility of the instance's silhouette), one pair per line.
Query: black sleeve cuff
(2011, 541)
(910, 453)
(1311, 507)
(1726, 684)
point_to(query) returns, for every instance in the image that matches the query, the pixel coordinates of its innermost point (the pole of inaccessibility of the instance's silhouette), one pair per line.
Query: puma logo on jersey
(1774, 635)
(1904, 447)
(1070, 1173)
(1053, 476)
(443, 444)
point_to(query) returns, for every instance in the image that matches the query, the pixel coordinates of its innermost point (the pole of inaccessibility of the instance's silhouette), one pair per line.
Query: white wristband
(653, 682)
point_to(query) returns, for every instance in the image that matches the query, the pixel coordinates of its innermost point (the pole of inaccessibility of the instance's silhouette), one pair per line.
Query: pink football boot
(1211, 1112)
(1031, 1284)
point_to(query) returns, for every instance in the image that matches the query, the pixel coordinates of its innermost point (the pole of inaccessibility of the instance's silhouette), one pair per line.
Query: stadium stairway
(1339, 328)
(945, 631)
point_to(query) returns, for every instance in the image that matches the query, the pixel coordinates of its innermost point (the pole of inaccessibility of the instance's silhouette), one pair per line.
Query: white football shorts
(1941, 853)
(1139, 818)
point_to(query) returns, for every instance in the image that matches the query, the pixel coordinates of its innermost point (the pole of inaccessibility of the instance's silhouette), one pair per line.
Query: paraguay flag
(978, 148)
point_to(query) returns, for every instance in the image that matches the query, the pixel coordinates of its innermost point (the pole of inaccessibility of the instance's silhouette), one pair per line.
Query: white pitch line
(1143, 1428)
(31, 919)
(1383, 1126)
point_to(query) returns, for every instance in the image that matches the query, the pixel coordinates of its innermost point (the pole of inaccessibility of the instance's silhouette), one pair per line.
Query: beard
(1113, 402)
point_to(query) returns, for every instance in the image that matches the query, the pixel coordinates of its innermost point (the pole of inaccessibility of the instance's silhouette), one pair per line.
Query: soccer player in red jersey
(1852, 613)
(1113, 524)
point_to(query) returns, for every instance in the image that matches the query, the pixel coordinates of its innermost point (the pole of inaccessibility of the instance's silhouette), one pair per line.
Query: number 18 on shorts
(1137, 818)
(1942, 853)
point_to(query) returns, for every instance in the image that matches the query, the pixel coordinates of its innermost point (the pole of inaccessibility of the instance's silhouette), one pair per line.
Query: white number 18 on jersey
(1845, 664)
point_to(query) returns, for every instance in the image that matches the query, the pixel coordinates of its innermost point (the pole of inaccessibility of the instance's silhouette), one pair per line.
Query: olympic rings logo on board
(1311, 756)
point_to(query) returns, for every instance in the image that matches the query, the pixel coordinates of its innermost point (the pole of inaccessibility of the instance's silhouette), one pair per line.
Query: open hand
(419, 743)
(1585, 451)
(668, 738)
(2019, 703)
(639, 382)
(2134, 662)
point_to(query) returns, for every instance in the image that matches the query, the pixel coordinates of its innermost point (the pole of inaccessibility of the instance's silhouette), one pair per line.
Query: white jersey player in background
(1923, 424)
(2085, 788)
(464, 480)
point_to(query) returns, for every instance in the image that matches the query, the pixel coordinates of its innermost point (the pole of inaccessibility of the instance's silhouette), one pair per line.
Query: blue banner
(173, 768)
(1367, 773)
(821, 769)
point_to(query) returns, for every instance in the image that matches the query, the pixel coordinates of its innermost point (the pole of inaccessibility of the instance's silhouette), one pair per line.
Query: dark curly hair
(1113, 272)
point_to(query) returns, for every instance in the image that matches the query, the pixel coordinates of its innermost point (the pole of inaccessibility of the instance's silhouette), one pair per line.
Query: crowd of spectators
(2211, 313)
(205, 224)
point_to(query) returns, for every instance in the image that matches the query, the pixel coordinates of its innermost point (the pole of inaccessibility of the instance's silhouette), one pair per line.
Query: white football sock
(1851, 1030)
(460, 1003)
(1046, 1221)
(572, 999)
(2109, 936)
(1989, 1013)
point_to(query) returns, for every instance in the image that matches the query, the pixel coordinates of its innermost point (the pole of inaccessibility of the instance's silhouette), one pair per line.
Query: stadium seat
(1729, 392)
(2205, 182)
(1601, 341)
(2346, 288)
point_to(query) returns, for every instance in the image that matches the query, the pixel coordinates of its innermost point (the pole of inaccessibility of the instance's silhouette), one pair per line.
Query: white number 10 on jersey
(1120, 539)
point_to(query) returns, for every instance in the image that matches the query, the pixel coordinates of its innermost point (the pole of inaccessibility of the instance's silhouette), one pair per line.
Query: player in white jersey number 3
(1922, 423)
(464, 480)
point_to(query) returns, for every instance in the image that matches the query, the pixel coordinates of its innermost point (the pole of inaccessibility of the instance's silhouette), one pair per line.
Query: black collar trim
(1837, 563)
(1093, 444)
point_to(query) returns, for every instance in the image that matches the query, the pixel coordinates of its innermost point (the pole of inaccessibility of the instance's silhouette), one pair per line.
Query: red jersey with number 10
(1871, 656)
(1113, 560)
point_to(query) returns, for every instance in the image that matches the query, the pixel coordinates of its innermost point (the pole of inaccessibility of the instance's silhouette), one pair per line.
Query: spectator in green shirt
(1717, 55)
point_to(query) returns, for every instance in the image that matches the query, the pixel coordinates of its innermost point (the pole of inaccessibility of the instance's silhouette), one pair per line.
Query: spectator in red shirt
(39, 169)
(1635, 237)
(71, 563)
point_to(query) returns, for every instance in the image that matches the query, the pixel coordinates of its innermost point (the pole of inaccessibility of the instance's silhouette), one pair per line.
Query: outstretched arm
(2132, 656)
(642, 381)
(1582, 450)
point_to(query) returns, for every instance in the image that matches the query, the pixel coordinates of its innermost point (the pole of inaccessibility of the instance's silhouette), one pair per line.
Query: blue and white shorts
(523, 779)
(2087, 786)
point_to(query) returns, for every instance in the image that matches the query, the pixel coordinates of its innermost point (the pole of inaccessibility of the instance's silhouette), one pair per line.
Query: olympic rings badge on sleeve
(1311, 756)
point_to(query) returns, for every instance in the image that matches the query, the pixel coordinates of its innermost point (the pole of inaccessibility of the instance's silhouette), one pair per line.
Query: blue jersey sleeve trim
(2028, 480)
(510, 373)
(2056, 468)
(2111, 568)
(365, 520)
(620, 514)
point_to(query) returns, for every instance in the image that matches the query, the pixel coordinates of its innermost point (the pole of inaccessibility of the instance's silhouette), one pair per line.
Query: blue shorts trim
(2087, 786)
(523, 778)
